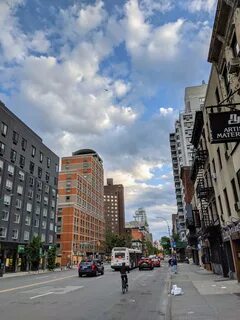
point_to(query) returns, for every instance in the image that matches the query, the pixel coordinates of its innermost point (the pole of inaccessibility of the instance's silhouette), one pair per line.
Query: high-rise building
(81, 223)
(114, 207)
(141, 216)
(182, 149)
(28, 190)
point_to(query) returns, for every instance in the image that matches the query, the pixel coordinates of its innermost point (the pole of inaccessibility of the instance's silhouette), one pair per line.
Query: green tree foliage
(165, 243)
(114, 240)
(150, 249)
(176, 237)
(51, 258)
(32, 253)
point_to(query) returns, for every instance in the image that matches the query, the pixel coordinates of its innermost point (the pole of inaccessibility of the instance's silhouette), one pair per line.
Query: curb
(168, 315)
(32, 273)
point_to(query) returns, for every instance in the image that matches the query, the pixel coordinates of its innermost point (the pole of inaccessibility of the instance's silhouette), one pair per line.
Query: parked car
(145, 264)
(156, 262)
(90, 268)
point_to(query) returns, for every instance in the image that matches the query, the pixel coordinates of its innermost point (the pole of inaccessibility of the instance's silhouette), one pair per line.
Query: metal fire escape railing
(199, 161)
(204, 193)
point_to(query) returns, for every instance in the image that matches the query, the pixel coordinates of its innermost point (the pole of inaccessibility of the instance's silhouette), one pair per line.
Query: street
(63, 295)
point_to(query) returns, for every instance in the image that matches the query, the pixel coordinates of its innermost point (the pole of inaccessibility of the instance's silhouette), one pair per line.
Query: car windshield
(119, 255)
(86, 263)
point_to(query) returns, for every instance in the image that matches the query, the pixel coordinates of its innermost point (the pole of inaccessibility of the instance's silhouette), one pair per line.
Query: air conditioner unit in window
(233, 65)
(237, 206)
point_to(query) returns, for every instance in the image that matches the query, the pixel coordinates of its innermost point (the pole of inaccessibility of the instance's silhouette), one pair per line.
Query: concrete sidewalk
(29, 273)
(206, 296)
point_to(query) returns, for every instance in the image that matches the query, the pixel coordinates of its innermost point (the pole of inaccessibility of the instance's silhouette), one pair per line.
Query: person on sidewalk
(174, 264)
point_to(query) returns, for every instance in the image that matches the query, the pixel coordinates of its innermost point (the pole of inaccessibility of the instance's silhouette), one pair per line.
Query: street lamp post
(168, 231)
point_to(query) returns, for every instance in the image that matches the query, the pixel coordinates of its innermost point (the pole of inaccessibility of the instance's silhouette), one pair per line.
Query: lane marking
(41, 295)
(42, 277)
(36, 284)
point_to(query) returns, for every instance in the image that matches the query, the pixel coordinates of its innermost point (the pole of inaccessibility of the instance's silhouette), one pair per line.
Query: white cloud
(152, 6)
(165, 111)
(200, 5)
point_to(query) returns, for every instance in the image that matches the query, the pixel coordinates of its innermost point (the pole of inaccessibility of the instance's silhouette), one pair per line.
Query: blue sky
(108, 75)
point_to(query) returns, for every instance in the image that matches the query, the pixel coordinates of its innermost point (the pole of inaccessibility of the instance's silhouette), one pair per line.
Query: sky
(110, 76)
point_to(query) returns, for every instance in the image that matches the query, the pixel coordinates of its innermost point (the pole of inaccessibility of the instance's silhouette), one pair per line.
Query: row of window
(15, 139)
(7, 202)
(26, 235)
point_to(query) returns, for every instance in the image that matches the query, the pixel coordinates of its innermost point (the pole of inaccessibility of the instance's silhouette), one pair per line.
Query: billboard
(225, 126)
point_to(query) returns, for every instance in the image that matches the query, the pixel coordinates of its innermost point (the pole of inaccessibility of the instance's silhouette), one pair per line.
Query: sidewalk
(206, 296)
(29, 273)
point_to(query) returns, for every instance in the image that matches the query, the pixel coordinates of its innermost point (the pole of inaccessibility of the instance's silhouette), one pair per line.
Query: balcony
(199, 161)
(203, 191)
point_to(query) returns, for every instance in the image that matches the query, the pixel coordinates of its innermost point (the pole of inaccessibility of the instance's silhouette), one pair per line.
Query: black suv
(91, 267)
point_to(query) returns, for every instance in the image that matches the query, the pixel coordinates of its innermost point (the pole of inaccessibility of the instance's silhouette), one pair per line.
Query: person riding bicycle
(123, 272)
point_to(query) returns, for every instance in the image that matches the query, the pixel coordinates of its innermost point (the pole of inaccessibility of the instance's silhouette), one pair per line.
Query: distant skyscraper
(182, 149)
(81, 223)
(114, 207)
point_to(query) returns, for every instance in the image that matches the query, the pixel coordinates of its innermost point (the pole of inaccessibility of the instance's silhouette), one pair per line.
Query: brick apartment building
(114, 207)
(80, 224)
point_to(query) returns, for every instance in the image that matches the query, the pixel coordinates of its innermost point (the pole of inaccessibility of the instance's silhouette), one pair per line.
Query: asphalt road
(63, 295)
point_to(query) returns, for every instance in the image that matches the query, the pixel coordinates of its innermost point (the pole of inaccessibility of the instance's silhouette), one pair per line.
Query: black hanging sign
(225, 126)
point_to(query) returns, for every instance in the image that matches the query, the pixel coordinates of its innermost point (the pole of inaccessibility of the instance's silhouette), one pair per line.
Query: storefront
(231, 238)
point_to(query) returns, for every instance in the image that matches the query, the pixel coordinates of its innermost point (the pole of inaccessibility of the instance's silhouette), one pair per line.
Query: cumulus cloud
(200, 5)
(152, 6)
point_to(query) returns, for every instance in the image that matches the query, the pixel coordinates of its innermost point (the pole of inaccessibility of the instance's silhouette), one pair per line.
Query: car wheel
(102, 273)
(80, 275)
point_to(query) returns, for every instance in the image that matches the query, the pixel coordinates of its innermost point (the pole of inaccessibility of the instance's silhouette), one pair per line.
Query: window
(10, 170)
(3, 232)
(21, 175)
(39, 172)
(45, 200)
(14, 234)
(22, 161)
(51, 226)
(55, 181)
(1, 165)
(47, 177)
(41, 157)
(43, 237)
(219, 158)
(217, 95)
(226, 79)
(36, 223)
(4, 129)
(53, 193)
(46, 188)
(39, 197)
(30, 194)
(227, 202)
(235, 46)
(9, 185)
(16, 218)
(39, 185)
(15, 137)
(20, 190)
(31, 167)
(33, 151)
(56, 168)
(27, 220)
(45, 212)
(52, 215)
(24, 144)
(50, 238)
(5, 215)
(7, 200)
(31, 181)
(13, 155)
(44, 224)
(37, 210)
(2, 148)
(234, 188)
(26, 236)
(48, 162)
(18, 204)
(29, 207)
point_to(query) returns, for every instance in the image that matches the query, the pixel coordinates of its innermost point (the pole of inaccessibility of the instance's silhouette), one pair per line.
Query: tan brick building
(81, 224)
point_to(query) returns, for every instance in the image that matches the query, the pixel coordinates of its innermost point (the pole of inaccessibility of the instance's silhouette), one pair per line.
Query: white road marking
(35, 284)
(41, 295)
(42, 277)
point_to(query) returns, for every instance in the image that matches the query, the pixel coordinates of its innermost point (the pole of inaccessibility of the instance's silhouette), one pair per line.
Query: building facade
(28, 190)
(114, 207)
(80, 218)
(181, 148)
(216, 166)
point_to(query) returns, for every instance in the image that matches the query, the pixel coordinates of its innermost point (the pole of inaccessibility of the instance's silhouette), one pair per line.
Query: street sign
(21, 248)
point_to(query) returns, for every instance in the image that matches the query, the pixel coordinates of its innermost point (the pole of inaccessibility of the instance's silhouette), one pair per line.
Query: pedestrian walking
(174, 264)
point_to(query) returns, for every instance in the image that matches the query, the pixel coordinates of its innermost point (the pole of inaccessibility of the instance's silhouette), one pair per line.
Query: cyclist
(123, 272)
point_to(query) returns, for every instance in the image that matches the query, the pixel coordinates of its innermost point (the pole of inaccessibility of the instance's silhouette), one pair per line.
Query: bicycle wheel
(123, 286)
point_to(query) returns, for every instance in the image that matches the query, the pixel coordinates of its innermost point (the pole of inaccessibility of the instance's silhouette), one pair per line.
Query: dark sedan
(91, 268)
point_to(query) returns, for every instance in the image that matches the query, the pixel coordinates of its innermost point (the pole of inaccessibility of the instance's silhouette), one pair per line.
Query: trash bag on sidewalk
(176, 291)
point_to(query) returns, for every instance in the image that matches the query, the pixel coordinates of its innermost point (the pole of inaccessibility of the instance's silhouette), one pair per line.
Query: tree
(176, 237)
(33, 251)
(51, 258)
(166, 244)
(115, 240)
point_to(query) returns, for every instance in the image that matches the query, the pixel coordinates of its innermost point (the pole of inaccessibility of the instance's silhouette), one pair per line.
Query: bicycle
(124, 285)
